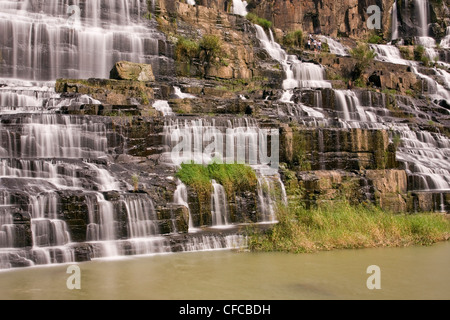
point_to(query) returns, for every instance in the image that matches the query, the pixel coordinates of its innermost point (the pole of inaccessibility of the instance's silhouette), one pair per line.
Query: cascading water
(422, 13)
(48, 159)
(219, 206)
(45, 43)
(394, 23)
(445, 42)
(389, 53)
(237, 141)
(163, 107)
(46, 40)
(240, 7)
(335, 47)
(182, 95)
(180, 197)
(298, 74)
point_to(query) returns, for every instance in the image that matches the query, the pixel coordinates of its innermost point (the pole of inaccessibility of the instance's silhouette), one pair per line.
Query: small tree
(363, 56)
(211, 47)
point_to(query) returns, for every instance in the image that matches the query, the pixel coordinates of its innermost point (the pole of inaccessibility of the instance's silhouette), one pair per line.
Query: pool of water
(405, 273)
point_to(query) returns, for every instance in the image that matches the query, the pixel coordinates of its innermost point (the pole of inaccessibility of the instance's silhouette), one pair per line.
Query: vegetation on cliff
(233, 177)
(253, 18)
(341, 225)
(206, 52)
(294, 39)
(363, 56)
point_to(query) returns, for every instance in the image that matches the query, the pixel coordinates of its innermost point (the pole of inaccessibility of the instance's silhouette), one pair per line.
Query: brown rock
(124, 70)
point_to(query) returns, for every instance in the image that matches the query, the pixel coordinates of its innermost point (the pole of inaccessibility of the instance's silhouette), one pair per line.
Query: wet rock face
(328, 149)
(385, 188)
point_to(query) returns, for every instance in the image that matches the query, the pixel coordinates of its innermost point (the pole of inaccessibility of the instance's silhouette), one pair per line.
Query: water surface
(406, 273)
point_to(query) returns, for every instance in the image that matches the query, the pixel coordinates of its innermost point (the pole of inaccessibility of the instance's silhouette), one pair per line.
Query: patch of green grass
(340, 225)
(253, 18)
(233, 177)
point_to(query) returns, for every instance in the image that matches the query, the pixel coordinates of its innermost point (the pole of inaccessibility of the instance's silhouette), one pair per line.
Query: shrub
(363, 56)
(419, 52)
(293, 39)
(375, 39)
(206, 50)
(405, 53)
(211, 47)
(186, 50)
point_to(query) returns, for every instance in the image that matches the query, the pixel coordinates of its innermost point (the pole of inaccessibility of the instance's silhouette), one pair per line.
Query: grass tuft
(341, 225)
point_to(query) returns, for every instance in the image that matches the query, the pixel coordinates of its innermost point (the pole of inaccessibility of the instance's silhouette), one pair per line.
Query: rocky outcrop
(125, 70)
(112, 92)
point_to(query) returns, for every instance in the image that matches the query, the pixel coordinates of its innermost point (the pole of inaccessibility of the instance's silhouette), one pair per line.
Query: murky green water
(406, 273)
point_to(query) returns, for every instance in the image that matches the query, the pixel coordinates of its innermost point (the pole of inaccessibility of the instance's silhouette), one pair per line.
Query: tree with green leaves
(364, 56)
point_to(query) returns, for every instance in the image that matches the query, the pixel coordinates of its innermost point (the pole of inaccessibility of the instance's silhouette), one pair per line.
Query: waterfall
(445, 42)
(389, 53)
(349, 105)
(394, 23)
(163, 107)
(336, 47)
(55, 169)
(298, 74)
(50, 236)
(47, 46)
(219, 206)
(240, 7)
(422, 12)
(237, 141)
(16, 93)
(143, 231)
(424, 155)
(182, 95)
(141, 216)
(215, 242)
(54, 136)
(203, 140)
(7, 232)
(441, 203)
(180, 197)
(271, 193)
